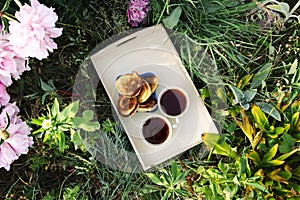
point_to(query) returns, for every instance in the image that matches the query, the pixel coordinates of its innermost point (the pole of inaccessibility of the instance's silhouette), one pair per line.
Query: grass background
(236, 34)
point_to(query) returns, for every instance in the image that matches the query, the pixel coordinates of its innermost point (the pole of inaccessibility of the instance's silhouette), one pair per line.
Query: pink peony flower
(4, 96)
(11, 63)
(137, 11)
(31, 35)
(14, 139)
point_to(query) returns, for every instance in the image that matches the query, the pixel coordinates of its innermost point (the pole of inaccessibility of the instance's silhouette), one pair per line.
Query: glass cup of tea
(173, 102)
(156, 130)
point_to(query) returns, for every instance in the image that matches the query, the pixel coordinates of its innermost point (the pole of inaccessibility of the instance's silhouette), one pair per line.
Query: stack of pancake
(136, 93)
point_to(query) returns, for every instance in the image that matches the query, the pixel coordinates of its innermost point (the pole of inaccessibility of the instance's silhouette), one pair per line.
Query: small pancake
(145, 92)
(127, 106)
(129, 84)
(152, 81)
(148, 105)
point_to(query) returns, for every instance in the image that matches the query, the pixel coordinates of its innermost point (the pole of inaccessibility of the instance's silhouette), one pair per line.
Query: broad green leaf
(285, 174)
(210, 139)
(260, 118)
(285, 156)
(225, 150)
(85, 122)
(77, 140)
(74, 109)
(269, 109)
(278, 131)
(154, 179)
(294, 67)
(238, 94)
(272, 163)
(68, 112)
(261, 75)
(253, 155)
(281, 7)
(172, 20)
(257, 186)
(285, 148)
(288, 139)
(55, 108)
(174, 169)
(65, 113)
(47, 87)
(250, 94)
(271, 154)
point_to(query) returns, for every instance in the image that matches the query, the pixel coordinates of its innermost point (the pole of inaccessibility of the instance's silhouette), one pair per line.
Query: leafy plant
(56, 124)
(170, 183)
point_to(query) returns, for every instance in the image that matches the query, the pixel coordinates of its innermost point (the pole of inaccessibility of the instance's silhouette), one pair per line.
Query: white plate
(150, 50)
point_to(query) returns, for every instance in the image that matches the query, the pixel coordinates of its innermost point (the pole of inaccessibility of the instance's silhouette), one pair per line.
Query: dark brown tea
(173, 102)
(155, 130)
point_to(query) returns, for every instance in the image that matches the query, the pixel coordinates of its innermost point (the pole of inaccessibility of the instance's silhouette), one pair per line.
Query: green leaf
(74, 109)
(285, 156)
(260, 118)
(225, 150)
(180, 178)
(269, 109)
(294, 67)
(4, 24)
(281, 7)
(167, 195)
(272, 163)
(172, 20)
(253, 155)
(68, 112)
(250, 94)
(238, 94)
(210, 139)
(6, 6)
(261, 75)
(154, 179)
(174, 169)
(85, 122)
(37, 122)
(257, 186)
(47, 87)
(40, 130)
(271, 154)
(77, 140)
(61, 141)
(55, 108)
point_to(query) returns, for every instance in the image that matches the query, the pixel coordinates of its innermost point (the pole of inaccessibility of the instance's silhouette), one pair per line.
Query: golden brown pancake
(152, 81)
(148, 105)
(127, 106)
(129, 84)
(145, 92)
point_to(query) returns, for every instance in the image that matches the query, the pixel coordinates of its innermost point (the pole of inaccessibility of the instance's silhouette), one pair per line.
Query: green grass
(229, 32)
